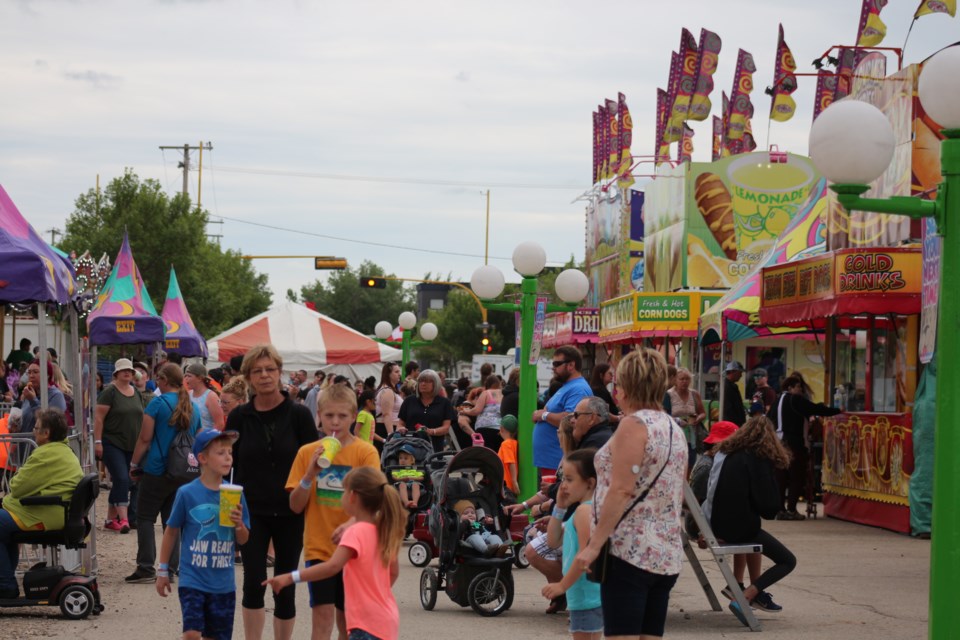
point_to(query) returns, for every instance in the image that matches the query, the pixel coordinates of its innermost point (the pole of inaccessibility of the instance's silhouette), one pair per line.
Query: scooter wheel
(77, 602)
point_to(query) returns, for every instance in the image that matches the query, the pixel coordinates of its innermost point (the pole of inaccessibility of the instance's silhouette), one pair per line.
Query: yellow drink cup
(229, 498)
(331, 447)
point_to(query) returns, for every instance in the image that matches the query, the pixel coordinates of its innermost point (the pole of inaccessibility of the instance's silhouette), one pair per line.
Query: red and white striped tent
(305, 339)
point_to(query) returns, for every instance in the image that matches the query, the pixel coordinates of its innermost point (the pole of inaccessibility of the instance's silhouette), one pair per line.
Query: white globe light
(407, 320)
(429, 331)
(851, 142)
(383, 330)
(572, 285)
(940, 87)
(487, 282)
(529, 258)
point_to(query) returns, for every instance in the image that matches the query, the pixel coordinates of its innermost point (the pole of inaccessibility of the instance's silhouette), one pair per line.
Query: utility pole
(53, 235)
(486, 242)
(185, 163)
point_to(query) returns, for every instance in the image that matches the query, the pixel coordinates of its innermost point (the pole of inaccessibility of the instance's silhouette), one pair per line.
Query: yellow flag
(936, 6)
(872, 29)
(783, 108)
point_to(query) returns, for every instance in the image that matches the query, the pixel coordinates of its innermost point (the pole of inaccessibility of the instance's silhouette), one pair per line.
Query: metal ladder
(721, 554)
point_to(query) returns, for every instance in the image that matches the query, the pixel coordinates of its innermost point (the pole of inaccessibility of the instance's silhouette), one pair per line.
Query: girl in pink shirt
(367, 554)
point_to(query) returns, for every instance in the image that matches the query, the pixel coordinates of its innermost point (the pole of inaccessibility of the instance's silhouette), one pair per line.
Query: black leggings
(783, 561)
(287, 535)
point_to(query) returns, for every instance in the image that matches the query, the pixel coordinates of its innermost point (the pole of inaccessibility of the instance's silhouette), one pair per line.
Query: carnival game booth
(305, 339)
(871, 301)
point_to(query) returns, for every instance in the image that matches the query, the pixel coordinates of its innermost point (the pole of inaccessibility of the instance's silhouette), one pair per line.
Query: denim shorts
(586, 620)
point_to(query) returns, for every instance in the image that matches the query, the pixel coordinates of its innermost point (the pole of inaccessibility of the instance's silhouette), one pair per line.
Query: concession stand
(578, 328)
(870, 301)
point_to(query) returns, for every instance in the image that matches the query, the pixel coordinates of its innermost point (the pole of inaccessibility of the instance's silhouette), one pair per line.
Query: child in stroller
(410, 480)
(477, 534)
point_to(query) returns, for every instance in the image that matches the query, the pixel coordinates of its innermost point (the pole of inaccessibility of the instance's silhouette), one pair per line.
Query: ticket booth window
(867, 366)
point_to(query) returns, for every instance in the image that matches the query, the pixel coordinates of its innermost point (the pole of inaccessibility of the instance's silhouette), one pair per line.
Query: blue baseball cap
(205, 437)
(408, 448)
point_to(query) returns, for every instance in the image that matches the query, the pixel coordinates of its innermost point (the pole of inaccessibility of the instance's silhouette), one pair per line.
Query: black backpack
(182, 465)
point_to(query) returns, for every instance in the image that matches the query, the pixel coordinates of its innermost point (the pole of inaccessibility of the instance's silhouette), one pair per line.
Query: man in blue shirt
(567, 363)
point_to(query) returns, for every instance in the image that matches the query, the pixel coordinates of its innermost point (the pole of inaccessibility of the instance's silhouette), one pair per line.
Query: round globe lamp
(940, 87)
(383, 329)
(407, 320)
(529, 259)
(487, 282)
(572, 285)
(851, 142)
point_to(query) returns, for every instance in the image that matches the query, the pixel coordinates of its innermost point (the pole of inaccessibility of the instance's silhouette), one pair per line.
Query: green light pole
(407, 321)
(851, 144)
(487, 282)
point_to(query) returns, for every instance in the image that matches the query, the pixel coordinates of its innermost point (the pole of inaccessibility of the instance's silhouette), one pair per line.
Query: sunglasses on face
(559, 363)
(577, 414)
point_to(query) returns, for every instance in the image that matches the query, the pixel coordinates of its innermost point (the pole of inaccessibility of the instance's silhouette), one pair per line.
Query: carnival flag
(708, 52)
(872, 30)
(672, 130)
(687, 80)
(717, 138)
(725, 141)
(936, 6)
(782, 105)
(685, 150)
(596, 147)
(848, 59)
(741, 109)
(603, 149)
(624, 174)
(747, 143)
(826, 88)
(662, 148)
(613, 148)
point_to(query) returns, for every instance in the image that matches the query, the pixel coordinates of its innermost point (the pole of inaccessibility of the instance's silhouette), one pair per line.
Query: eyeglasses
(577, 414)
(560, 363)
(254, 373)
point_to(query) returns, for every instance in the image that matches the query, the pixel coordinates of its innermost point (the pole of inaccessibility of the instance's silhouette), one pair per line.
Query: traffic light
(485, 345)
(371, 282)
(327, 262)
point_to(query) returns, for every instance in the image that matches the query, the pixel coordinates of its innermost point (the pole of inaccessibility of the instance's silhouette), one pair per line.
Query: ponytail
(378, 497)
(183, 413)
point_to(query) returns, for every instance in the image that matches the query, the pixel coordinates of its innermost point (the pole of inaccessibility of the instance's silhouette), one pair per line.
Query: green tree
(219, 287)
(343, 299)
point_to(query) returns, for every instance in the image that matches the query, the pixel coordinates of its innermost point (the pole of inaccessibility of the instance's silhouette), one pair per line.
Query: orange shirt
(508, 455)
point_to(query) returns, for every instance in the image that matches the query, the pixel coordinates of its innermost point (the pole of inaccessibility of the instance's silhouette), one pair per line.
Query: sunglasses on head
(559, 363)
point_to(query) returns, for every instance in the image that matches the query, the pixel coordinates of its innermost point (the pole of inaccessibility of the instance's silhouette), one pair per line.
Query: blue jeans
(117, 462)
(9, 552)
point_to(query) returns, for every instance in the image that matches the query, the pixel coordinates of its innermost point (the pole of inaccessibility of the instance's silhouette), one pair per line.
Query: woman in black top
(272, 429)
(791, 412)
(428, 410)
(741, 490)
(602, 376)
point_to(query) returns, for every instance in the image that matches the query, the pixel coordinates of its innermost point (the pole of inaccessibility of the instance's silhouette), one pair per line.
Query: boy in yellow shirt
(316, 492)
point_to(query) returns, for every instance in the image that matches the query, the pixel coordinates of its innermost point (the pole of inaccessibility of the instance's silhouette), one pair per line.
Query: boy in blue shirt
(207, 584)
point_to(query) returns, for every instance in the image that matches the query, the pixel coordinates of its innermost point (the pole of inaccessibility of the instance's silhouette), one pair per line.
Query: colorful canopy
(304, 338)
(736, 316)
(30, 269)
(182, 336)
(124, 313)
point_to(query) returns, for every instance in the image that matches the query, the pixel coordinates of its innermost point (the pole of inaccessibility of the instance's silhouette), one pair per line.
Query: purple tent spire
(30, 270)
(182, 335)
(124, 313)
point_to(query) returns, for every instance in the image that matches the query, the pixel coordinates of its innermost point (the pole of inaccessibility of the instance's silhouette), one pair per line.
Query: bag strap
(646, 491)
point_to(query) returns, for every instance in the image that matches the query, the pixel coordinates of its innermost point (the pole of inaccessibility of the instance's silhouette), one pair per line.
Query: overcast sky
(494, 95)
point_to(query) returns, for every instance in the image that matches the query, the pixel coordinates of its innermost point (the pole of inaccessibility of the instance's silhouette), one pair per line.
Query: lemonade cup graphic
(229, 498)
(766, 197)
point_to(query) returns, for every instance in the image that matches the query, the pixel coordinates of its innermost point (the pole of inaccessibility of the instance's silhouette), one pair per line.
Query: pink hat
(720, 431)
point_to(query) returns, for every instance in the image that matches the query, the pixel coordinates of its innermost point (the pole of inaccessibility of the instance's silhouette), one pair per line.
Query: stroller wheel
(491, 593)
(428, 589)
(520, 557)
(420, 554)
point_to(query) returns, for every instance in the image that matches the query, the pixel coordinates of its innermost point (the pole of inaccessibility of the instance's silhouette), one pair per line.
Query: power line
(349, 178)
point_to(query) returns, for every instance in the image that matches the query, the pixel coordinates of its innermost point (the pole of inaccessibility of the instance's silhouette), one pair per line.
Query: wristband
(98, 442)
(163, 566)
(558, 513)
(306, 484)
(134, 465)
(296, 577)
(163, 573)
(525, 507)
(544, 415)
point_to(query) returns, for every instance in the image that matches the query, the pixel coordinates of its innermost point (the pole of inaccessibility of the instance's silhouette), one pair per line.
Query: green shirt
(364, 428)
(121, 425)
(51, 470)
(17, 356)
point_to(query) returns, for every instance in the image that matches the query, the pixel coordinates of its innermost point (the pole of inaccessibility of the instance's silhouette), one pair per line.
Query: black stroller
(421, 449)
(468, 577)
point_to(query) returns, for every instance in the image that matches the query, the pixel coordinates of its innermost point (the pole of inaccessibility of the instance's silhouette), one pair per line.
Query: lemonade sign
(736, 209)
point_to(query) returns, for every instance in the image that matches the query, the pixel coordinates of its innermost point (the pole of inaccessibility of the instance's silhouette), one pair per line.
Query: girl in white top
(207, 403)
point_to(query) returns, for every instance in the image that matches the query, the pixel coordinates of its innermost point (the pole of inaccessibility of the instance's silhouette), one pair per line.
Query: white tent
(306, 340)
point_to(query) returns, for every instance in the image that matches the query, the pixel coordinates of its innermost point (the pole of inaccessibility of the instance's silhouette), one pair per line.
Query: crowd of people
(612, 454)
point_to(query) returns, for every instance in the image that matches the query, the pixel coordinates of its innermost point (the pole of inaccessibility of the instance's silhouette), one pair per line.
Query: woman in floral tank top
(647, 450)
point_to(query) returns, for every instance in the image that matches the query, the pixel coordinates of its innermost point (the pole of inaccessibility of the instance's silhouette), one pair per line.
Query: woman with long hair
(172, 411)
(599, 381)
(687, 408)
(30, 396)
(486, 410)
(203, 396)
(638, 502)
(387, 403)
(741, 490)
(272, 428)
(116, 427)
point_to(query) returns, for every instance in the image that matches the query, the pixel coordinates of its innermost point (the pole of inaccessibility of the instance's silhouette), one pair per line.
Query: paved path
(851, 582)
